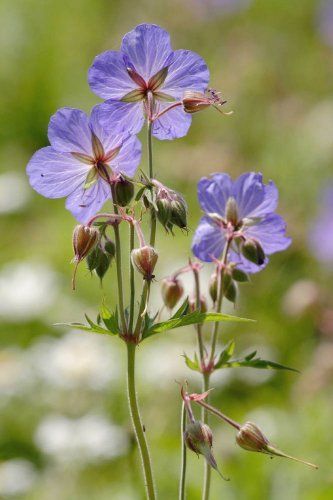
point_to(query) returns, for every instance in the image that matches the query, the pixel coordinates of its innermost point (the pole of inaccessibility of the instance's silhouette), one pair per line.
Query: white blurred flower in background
(17, 476)
(15, 373)
(90, 438)
(15, 192)
(76, 360)
(27, 289)
(325, 21)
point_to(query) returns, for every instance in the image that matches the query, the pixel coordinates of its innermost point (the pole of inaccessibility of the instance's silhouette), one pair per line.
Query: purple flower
(144, 78)
(82, 161)
(241, 210)
(321, 234)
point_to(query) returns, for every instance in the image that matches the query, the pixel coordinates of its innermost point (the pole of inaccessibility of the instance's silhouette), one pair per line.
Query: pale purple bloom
(144, 78)
(253, 218)
(321, 233)
(81, 161)
(325, 21)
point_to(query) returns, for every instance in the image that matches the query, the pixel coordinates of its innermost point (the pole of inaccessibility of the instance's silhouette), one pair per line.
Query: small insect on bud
(84, 240)
(144, 259)
(253, 251)
(172, 291)
(192, 303)
(124, 191)
(213, 287)
(198, 437)
(251, 438)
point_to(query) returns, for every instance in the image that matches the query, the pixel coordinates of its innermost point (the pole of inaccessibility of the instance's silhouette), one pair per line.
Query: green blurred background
(64, 426)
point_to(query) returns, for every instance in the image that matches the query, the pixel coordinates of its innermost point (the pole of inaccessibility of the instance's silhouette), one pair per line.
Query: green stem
(182, 482)
(199, 325)
(132, 282)
(119, 267)
(137, 424)
(219, 301)
(151, 175)
(208, 469)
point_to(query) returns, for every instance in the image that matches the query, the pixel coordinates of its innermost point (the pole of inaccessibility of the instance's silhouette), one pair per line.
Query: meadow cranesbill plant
(92, 160)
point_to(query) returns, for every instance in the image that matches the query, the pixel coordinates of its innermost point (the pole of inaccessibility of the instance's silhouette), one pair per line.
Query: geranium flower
(82, 161)
(243, 211)
(144, 79)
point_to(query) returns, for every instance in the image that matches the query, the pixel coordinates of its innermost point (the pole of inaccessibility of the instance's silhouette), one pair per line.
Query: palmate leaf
(190, 319)
(192, 364)
(225, 354)
(110, 319)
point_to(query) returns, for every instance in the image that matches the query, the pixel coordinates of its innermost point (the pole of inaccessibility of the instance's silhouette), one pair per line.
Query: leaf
(183, 309)
(190, 319)
(110, 319)
(225, 354)
(193, 365)
(140, 193)
(92, 328)
(259, 363)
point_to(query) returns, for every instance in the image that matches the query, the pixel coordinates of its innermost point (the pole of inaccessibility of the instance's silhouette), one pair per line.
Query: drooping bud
(230, 292)
(231, 211)
(172, 291)
(253, 251)
(124, 191)
(144, 259)
(251, 438)
(100, 258)
(198, 437)
(192, 304)
(84, 240)
(213, 287)
(164, 210)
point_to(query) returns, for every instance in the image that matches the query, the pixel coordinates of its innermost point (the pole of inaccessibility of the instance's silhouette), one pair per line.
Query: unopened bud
(179, 212)
(253, 251)
(239, 275)
(84, 240)
(164, 210)
(172, 291)
(198, 437)
(144, 259)
(124, 191)
(230, 292)
(192, 303)
(251, 438)
(213, 286)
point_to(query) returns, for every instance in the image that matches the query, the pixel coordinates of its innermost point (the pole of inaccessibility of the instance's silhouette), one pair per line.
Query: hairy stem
(132, 282)
(182, 482)
(137, 424)
(151, 176)
(208, 469)
(119, 267)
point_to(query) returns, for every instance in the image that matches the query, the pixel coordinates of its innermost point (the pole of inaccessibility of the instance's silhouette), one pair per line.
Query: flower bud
(100, 258)
(192, 303)
(253, 251)
(213, 287)
(144, 259)
(230, 292)
(124, 191)
(164, 210)
(84, 240)
(239, 275)
(179, 211)
(251, 438)
(172, 291)
(198, 437)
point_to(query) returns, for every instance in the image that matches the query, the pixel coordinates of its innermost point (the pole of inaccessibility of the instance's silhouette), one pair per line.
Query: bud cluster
(171, 207)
